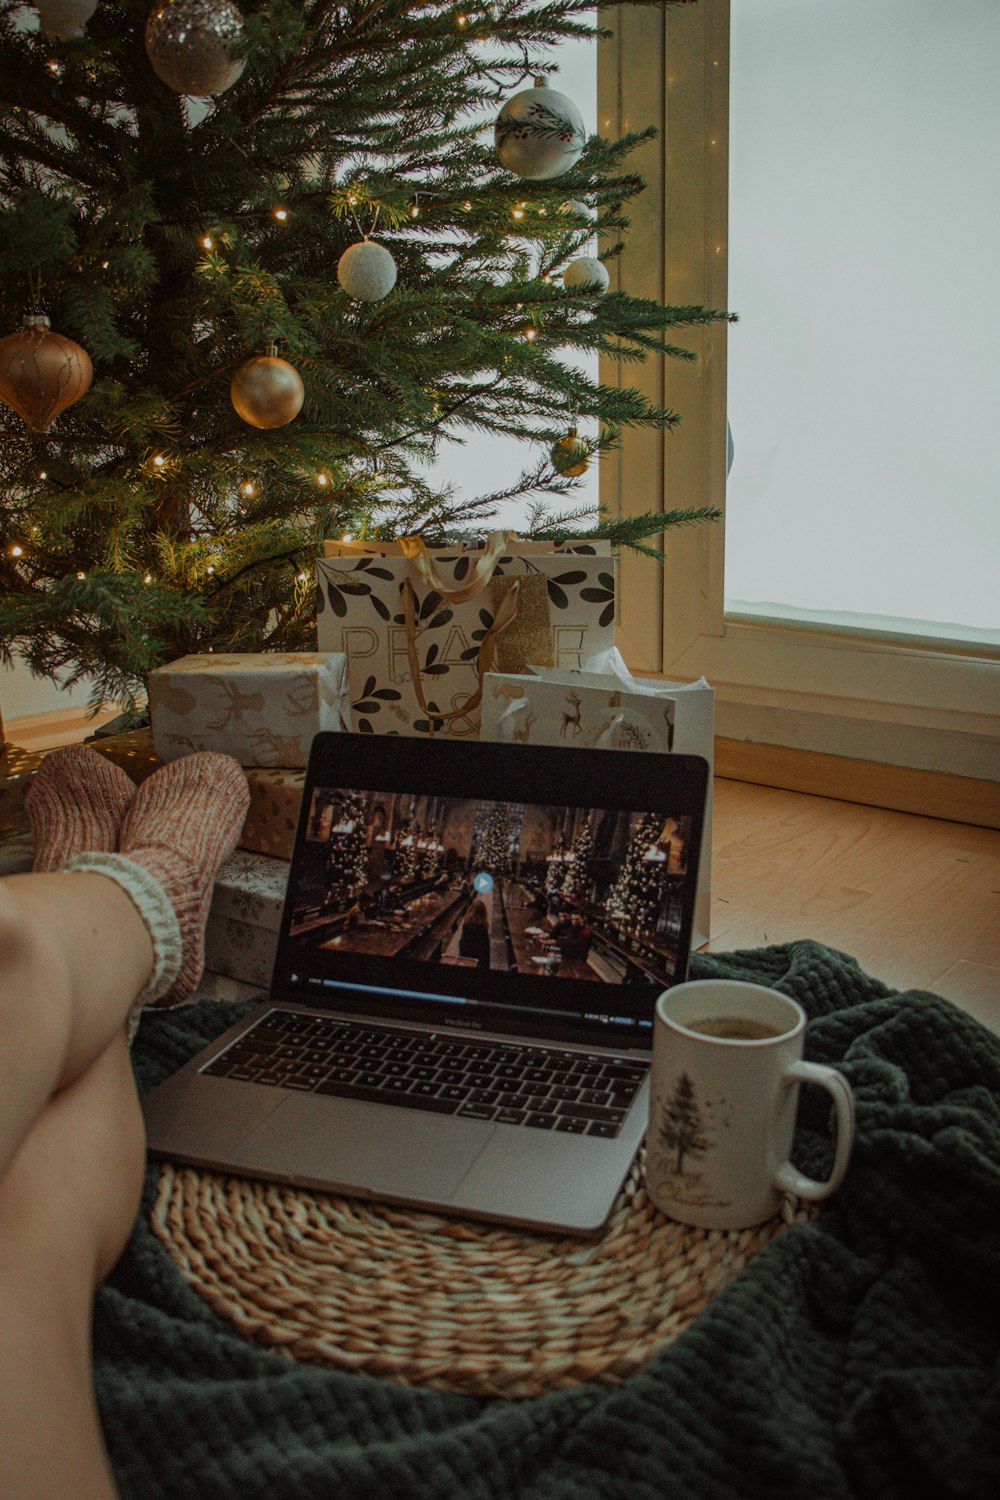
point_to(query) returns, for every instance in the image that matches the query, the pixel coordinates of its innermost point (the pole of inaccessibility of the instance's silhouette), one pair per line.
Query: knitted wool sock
(181, 824)
(76, 804)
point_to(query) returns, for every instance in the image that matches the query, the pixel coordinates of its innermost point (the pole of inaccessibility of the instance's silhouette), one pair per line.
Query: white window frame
(876, 696)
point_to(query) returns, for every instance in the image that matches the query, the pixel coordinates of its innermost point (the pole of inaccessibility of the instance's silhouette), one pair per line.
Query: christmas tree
(496, 837)
(682, 1128)
(636, 896)
(347, 851)
(576, 871)
(178, 242)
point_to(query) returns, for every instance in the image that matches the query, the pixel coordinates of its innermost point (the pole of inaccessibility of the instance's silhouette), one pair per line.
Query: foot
(182, 823)
(76, 804)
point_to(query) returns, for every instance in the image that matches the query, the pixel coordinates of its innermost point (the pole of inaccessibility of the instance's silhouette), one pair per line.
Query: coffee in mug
(737, 1028)
(727, 1067)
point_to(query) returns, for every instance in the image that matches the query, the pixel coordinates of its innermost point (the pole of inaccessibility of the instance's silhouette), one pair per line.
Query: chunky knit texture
(76, 804)
(855, 1359)
(181, 824)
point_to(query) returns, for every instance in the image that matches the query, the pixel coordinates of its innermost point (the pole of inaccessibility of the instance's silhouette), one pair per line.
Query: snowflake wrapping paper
(241, 938)
(263, 708)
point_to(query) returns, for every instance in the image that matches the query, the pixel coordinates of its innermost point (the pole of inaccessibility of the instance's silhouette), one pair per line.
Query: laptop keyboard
(542, 1088)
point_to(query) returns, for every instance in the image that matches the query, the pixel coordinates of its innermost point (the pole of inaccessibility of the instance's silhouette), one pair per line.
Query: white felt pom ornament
(539, 133)
(366, 271)
(586, 273)
(65, 19)
(194, 45)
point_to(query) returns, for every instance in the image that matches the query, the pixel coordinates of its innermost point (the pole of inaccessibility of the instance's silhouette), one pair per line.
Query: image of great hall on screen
(578, 893)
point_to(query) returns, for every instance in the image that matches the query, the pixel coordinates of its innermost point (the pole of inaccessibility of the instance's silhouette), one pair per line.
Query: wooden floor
(915, 900)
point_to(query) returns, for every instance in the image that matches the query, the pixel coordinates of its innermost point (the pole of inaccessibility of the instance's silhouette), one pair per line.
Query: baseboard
(931, 794)
(60, 726)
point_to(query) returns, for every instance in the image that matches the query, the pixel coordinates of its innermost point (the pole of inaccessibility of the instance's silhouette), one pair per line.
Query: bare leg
(74, 954)
(68, 1201)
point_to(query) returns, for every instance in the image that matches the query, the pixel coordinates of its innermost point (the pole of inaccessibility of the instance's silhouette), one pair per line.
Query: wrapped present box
(263, 708)
(17, 770)
(242, 933)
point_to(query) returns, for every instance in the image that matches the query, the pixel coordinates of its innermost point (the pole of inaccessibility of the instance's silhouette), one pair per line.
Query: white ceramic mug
(723, 1100)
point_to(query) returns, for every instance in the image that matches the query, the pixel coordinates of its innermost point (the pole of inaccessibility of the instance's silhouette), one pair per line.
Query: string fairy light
(322, 480)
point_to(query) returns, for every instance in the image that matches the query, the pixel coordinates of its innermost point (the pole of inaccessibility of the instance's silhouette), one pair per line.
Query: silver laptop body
(585, 865)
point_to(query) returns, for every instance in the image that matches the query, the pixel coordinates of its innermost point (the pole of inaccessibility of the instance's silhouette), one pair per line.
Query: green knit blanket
(858, 1355)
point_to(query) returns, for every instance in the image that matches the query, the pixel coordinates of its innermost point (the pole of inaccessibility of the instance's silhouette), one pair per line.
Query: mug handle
(837, 1086)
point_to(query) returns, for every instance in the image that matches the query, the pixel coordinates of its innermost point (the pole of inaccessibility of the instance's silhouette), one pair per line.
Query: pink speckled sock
(181, 824)
(76, 804)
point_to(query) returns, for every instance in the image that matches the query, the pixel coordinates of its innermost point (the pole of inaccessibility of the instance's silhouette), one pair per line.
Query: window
(867, 694)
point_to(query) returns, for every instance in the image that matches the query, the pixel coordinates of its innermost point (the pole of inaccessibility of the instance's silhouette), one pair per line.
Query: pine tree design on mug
(685, 1127)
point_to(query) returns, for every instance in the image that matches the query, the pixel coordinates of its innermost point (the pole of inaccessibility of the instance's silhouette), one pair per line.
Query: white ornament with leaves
(539, 133)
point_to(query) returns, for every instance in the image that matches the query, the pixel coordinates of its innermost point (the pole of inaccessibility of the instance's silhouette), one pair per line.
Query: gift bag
(604, 707)
(419, 628)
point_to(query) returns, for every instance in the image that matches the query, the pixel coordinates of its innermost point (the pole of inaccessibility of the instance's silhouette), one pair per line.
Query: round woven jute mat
(440, 1302)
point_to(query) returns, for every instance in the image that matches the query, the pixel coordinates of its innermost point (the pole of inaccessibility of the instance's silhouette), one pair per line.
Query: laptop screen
(414, 891)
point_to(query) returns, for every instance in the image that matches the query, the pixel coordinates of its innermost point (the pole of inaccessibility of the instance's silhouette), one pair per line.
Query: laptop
(473, 940)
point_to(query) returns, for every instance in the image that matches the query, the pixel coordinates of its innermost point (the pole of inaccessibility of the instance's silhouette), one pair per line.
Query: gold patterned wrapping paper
(17, 770)
(275, 798)
(133, 751)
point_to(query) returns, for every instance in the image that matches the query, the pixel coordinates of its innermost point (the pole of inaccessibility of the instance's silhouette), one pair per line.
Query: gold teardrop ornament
(41, 372)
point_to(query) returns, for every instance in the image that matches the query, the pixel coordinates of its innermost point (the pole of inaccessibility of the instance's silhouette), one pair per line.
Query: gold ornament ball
(191, 44)
(570, 455)
(41, 372)
(267, 391)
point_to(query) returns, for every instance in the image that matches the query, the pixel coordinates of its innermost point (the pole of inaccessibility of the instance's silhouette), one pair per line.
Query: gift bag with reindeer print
(420, 627)
(604, 707)
(263, 708)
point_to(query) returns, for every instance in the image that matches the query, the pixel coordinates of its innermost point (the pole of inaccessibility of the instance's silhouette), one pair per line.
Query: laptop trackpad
(334, 1144)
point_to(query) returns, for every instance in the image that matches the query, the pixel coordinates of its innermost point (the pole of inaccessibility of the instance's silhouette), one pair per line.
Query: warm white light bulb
(159, 460)
(322, 479)
(148, 578)
(210, 569)
(16, 551)
(248, 488)
(208, 242)
(43, 474)
(81, 576)
(281, 213)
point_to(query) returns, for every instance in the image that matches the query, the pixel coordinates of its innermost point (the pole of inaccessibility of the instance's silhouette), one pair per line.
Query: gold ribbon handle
(504, 616)
(414, 549)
